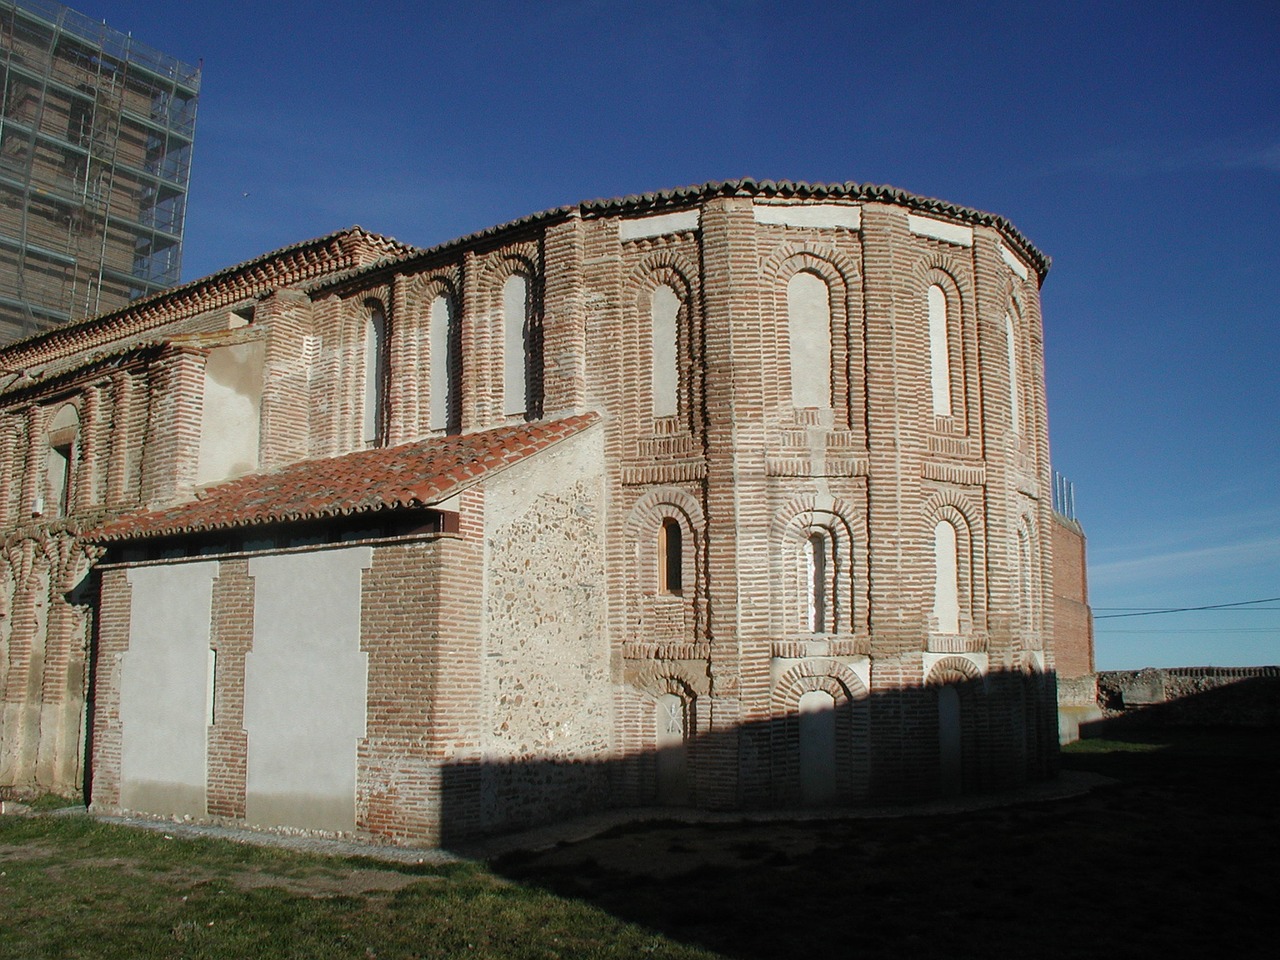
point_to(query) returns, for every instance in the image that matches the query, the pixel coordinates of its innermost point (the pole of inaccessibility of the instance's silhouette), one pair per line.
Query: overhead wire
(1210, 606)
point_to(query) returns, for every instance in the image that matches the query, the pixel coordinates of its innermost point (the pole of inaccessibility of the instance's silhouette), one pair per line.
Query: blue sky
(1136, 144)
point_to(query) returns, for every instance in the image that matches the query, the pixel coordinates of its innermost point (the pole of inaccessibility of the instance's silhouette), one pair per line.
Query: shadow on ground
(1178, 858)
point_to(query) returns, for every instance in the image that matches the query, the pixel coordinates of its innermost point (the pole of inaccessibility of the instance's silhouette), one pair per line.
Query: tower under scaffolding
(95, 156)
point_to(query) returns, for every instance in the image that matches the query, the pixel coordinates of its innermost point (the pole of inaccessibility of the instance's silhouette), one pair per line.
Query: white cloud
(1144, 159)
(1198, 561)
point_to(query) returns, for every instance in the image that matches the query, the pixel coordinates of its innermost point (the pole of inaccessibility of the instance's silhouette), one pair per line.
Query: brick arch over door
(852, 725)
(957, 689)
(1039, 720)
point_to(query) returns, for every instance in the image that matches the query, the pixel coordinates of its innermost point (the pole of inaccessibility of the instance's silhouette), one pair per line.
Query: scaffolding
(96, 133)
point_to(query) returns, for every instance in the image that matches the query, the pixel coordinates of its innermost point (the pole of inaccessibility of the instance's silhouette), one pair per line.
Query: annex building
(736, 495)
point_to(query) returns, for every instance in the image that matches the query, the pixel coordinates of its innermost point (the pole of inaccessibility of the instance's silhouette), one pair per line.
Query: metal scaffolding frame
(96, 133)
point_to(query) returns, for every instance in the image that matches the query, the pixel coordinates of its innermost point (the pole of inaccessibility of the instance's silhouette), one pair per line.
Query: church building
(732, 496)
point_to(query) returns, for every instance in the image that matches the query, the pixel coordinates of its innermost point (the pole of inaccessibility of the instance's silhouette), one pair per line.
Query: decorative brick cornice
(344, 250)
(681, 197)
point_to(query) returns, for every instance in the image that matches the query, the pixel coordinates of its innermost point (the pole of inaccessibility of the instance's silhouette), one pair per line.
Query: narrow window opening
(665, 312)
(816, 555)
(939, 352)
(1015, 411)
(375, 377)
(946, 591)
(519, 348)
(671, 557)
(809, 324)
(211, 688)
(57, 495)
(59, 477)
(446, 366)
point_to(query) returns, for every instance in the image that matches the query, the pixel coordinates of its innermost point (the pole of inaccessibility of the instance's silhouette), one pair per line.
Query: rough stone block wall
(547, 701)
(1187, 697)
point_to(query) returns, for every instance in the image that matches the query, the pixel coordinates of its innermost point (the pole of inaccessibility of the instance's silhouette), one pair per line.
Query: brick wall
(747, 476)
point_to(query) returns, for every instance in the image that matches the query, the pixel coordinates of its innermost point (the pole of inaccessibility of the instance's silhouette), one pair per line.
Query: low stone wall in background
(1188, 697)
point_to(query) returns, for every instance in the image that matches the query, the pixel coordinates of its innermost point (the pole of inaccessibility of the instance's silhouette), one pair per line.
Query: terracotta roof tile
(411, 475)
(660, 200)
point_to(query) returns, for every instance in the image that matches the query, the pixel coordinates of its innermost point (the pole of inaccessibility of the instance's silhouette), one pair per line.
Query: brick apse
(736, 495)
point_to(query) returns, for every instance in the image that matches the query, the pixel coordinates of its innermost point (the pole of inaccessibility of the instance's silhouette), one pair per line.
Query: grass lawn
(1178, 858)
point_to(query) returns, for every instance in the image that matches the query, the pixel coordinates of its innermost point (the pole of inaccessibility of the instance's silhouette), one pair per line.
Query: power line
(1210, 631)
(1211, 606)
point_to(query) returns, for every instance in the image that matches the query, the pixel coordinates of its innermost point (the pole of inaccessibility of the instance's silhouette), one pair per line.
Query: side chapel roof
(411, 475)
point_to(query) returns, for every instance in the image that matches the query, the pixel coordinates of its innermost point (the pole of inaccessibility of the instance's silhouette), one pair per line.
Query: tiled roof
(339, 251)
(681, 197)
(411, 475)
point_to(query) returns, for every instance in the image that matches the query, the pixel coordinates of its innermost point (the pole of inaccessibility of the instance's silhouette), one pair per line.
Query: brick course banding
(518, 642)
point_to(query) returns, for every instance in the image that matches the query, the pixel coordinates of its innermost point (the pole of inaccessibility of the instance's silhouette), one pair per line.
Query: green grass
(1177, 857)
(1113, 746)
(71, 887)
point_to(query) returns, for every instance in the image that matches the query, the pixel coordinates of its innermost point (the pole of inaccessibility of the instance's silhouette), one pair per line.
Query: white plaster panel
(939, 352)
(810, 215)
(861, 668)
(1016, 265)
(232, 401)
(441, 322)
(305, 688)
(940, 230)
(1011, 348)
(809, 323)
(515, 322)
(664, 312)
(946, 590)
(163, 689)
(640, 228)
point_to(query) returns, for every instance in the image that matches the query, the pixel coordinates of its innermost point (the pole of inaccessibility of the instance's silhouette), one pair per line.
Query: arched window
(664, 311)
(522, 362)
(939, 352)
(63, 438)
(816, 557)
(671, 557)
(946, 590)
(809, 324)
(821, 587)
(1011, 346)
(375, 376)
(446, 366)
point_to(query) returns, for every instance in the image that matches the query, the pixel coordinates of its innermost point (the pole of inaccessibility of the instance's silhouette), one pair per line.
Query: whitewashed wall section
(164, 689)
(305, 689)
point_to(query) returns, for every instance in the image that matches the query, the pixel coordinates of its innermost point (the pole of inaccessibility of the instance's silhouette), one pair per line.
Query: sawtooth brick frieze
(730, 496)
